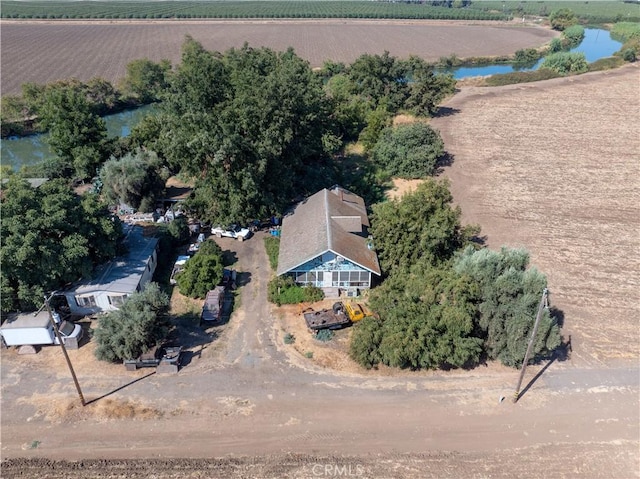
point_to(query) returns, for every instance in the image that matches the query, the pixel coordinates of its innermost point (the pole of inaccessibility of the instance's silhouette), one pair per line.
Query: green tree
(249, 125)
(566, 62)
(136, 179)
(101, 95)
(376, 121)
(179, 231)
(76, 133)
(379, 78)
(145, 80)
(509, 294)
(427, 90)
(562, 18)
(140, 323)
(51, 237)
(203, 272)
(432, 324)
(365, 342)
(409, 150)
(423, 224)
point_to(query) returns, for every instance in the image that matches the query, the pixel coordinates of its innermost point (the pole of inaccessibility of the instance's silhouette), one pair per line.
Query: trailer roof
(26, 320)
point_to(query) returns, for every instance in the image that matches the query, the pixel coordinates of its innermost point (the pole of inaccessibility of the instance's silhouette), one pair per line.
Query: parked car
(233, 231)
(213, 304)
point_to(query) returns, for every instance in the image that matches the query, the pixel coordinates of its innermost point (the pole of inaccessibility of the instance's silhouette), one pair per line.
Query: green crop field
(238, 9)
(587, 11)
(594, 12)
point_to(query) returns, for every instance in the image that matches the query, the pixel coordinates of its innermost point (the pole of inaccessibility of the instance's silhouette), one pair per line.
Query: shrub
(324, 335)
(283, 290)
(272, 245)
(521, 77)
(527, 55)
(203, 272)
(289, 338)
(408, 151)
(566, 62)
(139, 324)
(629, 55)
(308, 355)
(573, 36)
(562, 19)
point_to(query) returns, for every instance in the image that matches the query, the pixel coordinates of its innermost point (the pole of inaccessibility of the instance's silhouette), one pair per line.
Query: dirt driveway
(247, 405)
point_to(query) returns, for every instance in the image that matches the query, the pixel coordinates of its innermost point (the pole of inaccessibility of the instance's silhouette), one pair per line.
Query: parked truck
(35, 329)
(233, 231)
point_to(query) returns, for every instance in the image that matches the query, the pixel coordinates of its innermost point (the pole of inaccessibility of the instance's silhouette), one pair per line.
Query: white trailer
(31, 329)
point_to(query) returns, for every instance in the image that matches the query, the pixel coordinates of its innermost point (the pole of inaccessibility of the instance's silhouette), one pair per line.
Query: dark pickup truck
(334, 318)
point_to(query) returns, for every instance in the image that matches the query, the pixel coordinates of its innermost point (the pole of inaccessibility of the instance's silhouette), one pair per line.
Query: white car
(234, 231)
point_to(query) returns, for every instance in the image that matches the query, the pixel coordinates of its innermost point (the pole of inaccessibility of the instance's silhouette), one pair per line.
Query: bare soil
(47, 51)
(553, 166)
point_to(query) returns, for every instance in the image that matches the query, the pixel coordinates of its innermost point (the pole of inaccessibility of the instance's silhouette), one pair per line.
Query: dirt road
(264, 412)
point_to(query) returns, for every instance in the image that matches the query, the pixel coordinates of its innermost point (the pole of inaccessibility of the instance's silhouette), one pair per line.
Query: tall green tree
(136, 179)
(76, 133)
(409, 150)
(146, 80)
(427, 89)
(51, 237)
(249, 125)
(422, 225)
(509, 295)
(426, 321)
(140, 323)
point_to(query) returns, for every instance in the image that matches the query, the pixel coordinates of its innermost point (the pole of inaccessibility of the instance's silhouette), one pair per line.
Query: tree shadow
(119, 388)
(444, 161)
(357, 174)
(229, 257)
(445, 111)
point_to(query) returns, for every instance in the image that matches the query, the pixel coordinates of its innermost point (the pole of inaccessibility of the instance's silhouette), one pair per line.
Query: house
(115, 281)
(324, 242)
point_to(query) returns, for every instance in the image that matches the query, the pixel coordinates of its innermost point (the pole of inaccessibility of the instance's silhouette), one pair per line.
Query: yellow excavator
(356, 311)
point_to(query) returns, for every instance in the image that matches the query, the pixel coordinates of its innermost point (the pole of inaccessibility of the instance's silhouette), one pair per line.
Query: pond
(597, 44)
(33, 149)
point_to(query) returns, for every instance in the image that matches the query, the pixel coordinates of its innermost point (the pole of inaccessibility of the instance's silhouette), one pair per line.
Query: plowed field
(42, 52)
(554, 166)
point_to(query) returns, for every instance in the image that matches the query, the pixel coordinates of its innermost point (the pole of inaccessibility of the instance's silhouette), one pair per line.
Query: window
(117, 300)
(86, 301)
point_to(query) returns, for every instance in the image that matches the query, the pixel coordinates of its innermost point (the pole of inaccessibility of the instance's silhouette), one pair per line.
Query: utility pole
(64, 349)
(541, 306)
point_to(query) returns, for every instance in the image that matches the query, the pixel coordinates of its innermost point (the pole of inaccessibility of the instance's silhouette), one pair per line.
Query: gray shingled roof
(330, 220)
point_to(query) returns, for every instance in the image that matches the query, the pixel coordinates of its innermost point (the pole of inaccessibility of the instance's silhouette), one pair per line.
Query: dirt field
(44, 51)
(554, 166)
